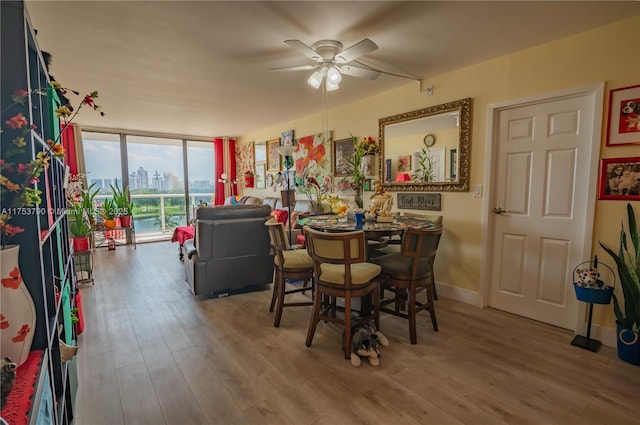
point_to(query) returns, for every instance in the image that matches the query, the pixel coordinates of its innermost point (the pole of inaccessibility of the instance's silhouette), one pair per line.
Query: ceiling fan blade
(359, 49)
(306, 50)
(295, 68)
(356, 71)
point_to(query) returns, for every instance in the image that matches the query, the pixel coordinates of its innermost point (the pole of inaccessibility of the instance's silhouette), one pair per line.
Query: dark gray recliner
(231, 250)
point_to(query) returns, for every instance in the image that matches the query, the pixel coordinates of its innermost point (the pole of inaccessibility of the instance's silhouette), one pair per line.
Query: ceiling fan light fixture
(334, 76)
(315, 80)
(331, 86)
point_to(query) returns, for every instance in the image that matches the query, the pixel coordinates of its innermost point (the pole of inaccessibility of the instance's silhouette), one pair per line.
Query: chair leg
(315, 317)
(282, 287)
(432, 309)
(347, 327)
(376, 308)
(276, 280)
(412, 314)
(433, 286)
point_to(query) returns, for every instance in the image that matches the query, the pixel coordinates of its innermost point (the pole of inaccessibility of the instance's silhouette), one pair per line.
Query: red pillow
(280, 215)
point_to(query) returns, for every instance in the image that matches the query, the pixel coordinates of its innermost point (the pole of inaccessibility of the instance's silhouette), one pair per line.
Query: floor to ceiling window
(163, 182)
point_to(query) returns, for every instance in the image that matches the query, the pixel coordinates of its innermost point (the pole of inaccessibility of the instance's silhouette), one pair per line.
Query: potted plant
(628, 264)
(124, 206)
(79, 228)
(109, 209)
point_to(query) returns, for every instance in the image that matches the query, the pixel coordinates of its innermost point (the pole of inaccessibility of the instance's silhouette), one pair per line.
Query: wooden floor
(152, 353)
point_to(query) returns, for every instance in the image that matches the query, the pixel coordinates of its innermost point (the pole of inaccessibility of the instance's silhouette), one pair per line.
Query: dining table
(378, 234)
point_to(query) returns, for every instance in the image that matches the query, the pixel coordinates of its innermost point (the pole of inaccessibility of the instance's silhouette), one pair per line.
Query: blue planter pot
(628, 345)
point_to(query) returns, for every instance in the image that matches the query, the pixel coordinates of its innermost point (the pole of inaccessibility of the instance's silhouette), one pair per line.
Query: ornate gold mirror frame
(461, 182)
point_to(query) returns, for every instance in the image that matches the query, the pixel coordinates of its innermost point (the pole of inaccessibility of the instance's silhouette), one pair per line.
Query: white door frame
(488, 218)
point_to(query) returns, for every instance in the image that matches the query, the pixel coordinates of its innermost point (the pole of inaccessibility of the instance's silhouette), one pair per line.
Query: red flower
(88, 100)
(22, 333)
(14, 280)
(17, 121)
(4, 324)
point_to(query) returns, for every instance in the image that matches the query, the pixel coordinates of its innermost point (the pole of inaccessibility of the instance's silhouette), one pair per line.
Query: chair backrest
(421, 245)
(336, 248)
(437, 219)
(279, 241)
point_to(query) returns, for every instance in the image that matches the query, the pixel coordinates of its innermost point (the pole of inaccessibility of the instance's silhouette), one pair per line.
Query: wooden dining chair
(341, 271)
(290, 265)
(437, 220)
(409, 272)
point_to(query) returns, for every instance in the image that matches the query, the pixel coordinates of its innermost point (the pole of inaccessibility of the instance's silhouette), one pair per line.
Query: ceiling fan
(333, 61)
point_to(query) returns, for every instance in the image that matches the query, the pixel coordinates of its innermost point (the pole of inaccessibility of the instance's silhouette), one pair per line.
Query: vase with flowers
(312, 188)
(358, 165)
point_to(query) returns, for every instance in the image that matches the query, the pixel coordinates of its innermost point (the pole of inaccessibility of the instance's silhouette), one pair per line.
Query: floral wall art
(244, 162)
(312, 157)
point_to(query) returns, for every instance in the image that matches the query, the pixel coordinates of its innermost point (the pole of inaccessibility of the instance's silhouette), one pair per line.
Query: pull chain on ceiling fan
(333, 62)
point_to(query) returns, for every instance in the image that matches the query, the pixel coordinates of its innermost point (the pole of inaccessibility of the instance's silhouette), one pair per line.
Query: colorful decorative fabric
(19, 400)
(238, 200)
(280, 215)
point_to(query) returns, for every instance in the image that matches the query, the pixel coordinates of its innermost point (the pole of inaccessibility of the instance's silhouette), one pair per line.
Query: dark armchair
(230, 251)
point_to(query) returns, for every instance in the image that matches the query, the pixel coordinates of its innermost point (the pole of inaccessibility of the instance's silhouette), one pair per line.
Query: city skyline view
(156, 160)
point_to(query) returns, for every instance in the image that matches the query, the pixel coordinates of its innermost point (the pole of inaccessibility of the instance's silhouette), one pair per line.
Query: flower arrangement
(355, 165)
(18, 179)
(311, 187)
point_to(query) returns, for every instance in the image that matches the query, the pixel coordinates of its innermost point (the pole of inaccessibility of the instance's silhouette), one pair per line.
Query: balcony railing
(156, 215)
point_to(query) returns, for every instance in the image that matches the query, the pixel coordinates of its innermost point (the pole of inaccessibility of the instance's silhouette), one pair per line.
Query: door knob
(498, 210)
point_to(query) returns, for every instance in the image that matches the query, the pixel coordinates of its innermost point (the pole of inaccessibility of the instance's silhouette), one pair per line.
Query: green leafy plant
(109, 209)
(122, 200)
(628, 265)
(79, 228)
(425, 170)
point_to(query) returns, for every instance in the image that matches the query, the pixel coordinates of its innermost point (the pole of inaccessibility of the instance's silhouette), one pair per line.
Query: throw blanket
(238, 200)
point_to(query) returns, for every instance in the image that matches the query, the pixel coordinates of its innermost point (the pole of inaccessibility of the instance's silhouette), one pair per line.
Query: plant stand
(592, 295)
(587, 342)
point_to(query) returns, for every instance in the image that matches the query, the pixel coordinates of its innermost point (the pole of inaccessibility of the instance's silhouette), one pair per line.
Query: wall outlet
(477, 191)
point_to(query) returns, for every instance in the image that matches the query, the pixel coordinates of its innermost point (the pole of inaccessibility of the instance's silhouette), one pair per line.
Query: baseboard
(459, 294)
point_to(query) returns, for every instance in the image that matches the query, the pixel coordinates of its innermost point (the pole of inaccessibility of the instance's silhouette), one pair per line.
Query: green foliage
(109, 209)
(169, 222)
(79, 224)
(122, 199)
(628, 265)
(424, 171)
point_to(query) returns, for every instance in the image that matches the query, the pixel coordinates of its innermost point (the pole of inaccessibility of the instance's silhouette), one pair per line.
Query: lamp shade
(315, 79)
(403, 177)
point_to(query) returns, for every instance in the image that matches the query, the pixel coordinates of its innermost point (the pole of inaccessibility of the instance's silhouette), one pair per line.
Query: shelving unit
(46, 260)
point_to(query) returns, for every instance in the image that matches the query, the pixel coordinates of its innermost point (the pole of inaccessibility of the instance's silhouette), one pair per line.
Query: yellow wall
(583, 59)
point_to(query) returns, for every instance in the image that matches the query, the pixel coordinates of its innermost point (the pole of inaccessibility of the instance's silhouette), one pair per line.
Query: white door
(541, 198)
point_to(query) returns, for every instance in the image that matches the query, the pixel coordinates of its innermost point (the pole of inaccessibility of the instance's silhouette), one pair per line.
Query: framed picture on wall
(404, 163)
(623, 127)
(260, 176)
(620, 178)
(261, 152)
(342, 150)
(273, 157)
(287, 138)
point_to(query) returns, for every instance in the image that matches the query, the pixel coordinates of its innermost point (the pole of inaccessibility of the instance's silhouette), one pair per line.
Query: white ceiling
(201, 68)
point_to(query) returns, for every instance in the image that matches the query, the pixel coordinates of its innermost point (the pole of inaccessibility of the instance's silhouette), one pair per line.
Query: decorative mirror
(427, 150)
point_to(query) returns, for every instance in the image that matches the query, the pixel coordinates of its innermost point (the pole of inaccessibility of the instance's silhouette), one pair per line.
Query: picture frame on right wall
(623, 127)
(620, 179)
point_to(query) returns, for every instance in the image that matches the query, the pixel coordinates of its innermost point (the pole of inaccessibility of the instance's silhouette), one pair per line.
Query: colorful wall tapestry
(244, 162)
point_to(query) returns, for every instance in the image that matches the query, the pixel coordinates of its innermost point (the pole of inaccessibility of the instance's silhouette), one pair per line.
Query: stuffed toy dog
(365, 342)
